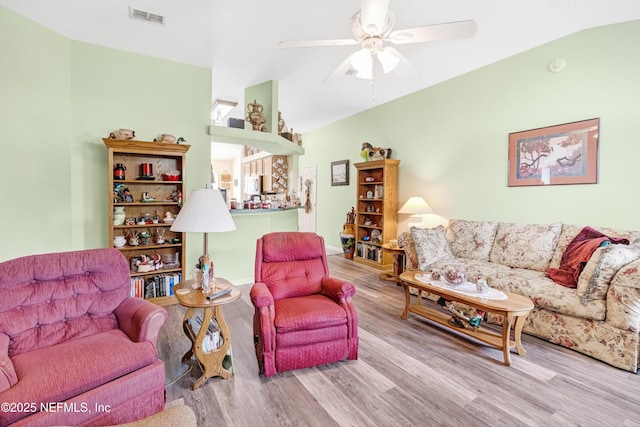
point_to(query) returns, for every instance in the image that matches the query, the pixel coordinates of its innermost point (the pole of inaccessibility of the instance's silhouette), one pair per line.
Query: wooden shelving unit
(377, 211)
(163, 158)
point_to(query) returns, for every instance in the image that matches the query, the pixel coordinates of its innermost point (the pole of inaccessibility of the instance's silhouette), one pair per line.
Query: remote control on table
(218, 294)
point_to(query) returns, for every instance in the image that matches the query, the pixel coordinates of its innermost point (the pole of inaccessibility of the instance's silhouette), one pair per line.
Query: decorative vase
(118, 215)
(119, 241)
(348, 244)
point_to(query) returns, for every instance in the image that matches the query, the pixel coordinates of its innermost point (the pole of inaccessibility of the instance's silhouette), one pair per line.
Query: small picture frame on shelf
(340, 173)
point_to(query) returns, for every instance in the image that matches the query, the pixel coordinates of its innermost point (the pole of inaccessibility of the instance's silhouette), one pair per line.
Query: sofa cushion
(62, 371)
(605, 262)
(577, 255)
(529, 246)
(431, 246)
(570, 231)
(307, 313)
(471, 239)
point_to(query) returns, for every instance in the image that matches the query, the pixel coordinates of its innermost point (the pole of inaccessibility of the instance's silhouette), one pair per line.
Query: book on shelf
(212, 339)
(159, 285)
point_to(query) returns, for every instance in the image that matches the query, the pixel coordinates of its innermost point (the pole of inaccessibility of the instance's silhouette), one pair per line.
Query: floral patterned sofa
(599, 317)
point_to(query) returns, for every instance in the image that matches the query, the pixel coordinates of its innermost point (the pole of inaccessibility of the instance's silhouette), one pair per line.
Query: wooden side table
(398, 264)
(210, 362)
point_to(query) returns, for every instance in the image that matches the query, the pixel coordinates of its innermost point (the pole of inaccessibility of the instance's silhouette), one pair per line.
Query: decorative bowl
(455, 274)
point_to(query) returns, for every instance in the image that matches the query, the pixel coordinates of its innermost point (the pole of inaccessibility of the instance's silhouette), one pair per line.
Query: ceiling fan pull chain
(373, 91)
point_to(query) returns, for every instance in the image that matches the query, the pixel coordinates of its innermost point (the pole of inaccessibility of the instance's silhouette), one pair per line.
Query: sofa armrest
(337, 289)
(623, 298)
(260, 295)
(141, 320)
(8, 377)
(405, 241)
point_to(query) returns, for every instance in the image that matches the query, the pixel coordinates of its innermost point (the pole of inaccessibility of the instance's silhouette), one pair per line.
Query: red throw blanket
(577, 255)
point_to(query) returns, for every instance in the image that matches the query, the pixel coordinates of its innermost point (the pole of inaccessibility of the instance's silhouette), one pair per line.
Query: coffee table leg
(517, 334)
(407, 301)
(506, 338)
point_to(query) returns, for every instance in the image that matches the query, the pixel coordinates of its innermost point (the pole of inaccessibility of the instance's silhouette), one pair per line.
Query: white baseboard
(333, 250)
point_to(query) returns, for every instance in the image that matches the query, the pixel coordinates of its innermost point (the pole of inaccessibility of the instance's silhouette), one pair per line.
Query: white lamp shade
(204, 211)
(415, 206)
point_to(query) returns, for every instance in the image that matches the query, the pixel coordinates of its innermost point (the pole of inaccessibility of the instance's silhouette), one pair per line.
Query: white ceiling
(238, 40)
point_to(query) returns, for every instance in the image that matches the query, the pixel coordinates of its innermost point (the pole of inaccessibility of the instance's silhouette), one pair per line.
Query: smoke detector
(146, 16)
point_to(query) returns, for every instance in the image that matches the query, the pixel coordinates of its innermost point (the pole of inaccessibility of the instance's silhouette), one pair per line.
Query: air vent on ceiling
(146, 16)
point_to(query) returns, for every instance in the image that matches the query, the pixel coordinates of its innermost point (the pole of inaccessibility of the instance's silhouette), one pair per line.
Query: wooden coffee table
(515, 307)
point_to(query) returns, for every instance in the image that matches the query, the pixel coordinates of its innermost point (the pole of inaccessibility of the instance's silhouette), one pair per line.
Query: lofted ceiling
(238, 40)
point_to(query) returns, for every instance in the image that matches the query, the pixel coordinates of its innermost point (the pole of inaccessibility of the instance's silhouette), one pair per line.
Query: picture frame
(555, 155)
(340, 173)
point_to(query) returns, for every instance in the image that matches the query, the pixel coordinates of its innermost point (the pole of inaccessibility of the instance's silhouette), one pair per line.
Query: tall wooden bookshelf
(377, 211)
(163, 195)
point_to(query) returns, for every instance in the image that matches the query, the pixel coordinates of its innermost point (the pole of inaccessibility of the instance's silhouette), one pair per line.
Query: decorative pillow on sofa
(405, 241)
(431, 246)
(569, 232)
(605, 262)
(471, 239)
(528, 246)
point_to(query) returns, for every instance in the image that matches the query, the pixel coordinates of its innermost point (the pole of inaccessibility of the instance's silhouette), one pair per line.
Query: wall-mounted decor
(340, 172)
(561, 154)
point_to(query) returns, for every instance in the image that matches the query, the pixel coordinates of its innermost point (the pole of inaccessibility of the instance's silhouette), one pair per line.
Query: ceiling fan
(372, 26)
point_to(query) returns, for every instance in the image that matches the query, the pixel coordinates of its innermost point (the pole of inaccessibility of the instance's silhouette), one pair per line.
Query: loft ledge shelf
(134, 145)
(264, 141)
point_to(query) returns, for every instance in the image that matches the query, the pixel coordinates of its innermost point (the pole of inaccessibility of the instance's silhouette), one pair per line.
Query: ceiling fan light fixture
(388, 61)
(363, 63)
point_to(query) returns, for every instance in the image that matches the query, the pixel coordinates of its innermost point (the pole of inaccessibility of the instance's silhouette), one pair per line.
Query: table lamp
(416, 206)
(204, 211)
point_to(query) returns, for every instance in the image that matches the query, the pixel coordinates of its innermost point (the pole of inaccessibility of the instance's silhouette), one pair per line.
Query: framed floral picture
(340, 172)
(560, 154)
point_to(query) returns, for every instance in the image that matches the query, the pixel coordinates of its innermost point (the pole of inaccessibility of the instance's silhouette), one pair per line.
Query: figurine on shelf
(166, 138)
(280, 123)
(125, 134)
(168, 218)
(160, 235)
(133, 238)
(368, 152)
(255, 116)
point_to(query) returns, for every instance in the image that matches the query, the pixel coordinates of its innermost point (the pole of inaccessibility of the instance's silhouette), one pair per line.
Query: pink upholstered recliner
(303, 317)
(75, 348)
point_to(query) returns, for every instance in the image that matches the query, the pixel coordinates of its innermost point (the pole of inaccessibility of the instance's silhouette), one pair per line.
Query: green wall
(62, 98)
(35, 117)
(452, 138)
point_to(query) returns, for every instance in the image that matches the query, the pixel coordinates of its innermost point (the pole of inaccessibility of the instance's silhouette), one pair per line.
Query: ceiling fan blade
(316, 43)
(373, 15)
(429, 33)
(404, 69)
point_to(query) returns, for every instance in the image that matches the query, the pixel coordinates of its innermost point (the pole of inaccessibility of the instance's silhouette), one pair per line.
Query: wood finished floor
(409, 373)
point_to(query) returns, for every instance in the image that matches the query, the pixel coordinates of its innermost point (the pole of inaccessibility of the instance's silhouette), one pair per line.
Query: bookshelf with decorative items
(377, 211)
(146, 188)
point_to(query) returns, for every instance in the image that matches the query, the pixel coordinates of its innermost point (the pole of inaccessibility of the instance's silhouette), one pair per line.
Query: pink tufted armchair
(303, 317)
(75, 348)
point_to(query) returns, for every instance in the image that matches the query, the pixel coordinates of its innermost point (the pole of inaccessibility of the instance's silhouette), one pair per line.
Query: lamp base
(208, 283)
